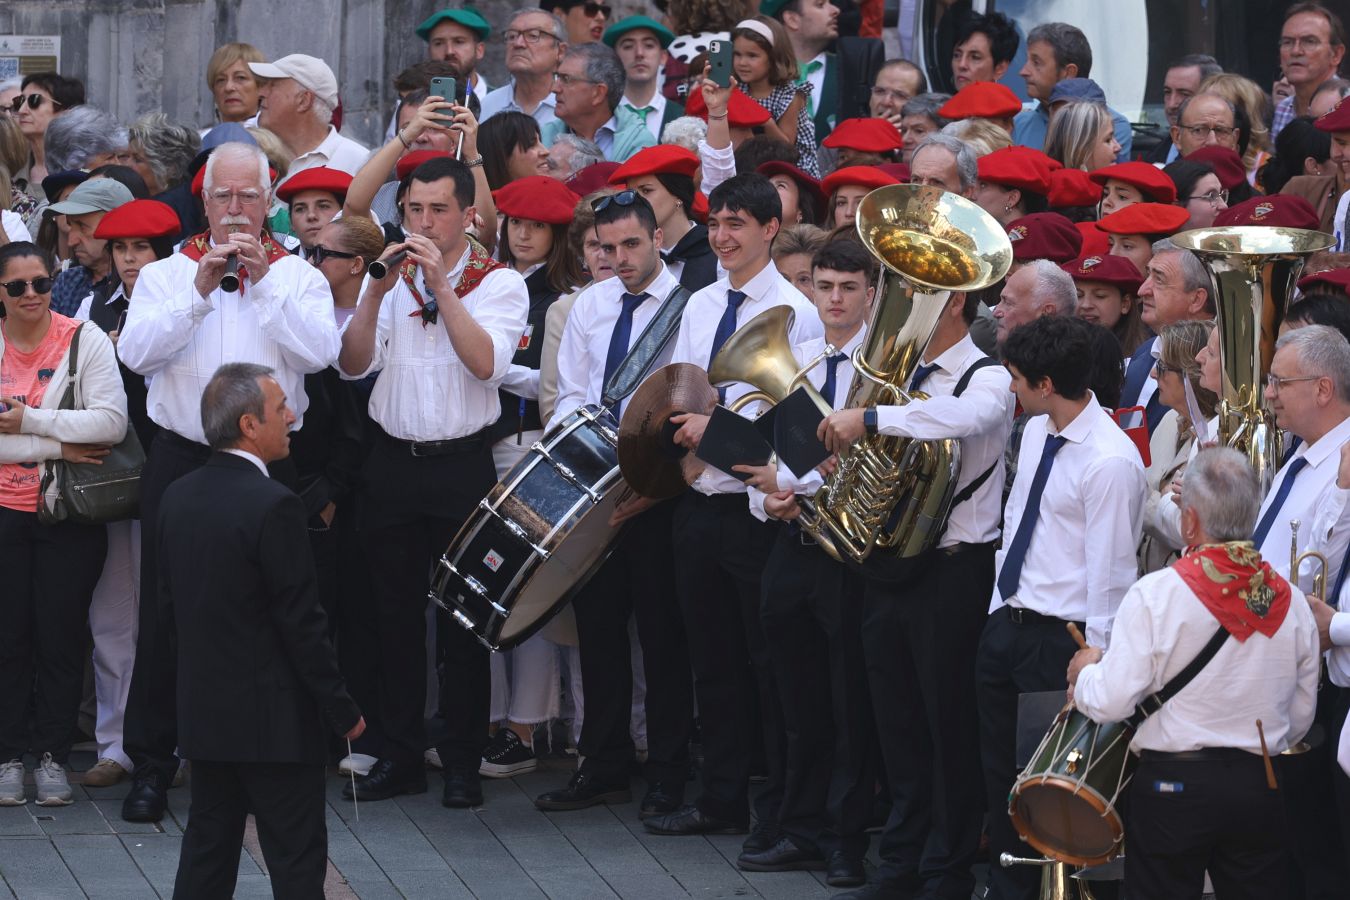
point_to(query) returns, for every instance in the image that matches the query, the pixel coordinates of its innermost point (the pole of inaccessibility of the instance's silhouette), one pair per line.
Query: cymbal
(651, 462)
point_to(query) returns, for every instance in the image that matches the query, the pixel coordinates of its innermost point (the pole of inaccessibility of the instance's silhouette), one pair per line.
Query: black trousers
(1012, 659)
(412, 507)
(1218, 815)
(1312, 790)
(638, 579)
(811, 611)
(287, 802)
(354, 621)
(50, 574)
(720, 552)
(920, 639)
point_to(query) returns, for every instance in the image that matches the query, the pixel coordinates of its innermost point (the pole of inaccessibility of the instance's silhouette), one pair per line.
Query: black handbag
(88, 493)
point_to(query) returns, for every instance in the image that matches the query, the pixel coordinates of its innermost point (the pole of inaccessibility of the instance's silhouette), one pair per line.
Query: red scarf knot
(1239, 588)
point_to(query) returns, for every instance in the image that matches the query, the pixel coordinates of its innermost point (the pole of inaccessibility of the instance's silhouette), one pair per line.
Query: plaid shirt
(70, 288)
(1284, 114)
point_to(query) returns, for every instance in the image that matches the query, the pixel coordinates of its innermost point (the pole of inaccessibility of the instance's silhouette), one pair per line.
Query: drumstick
(352, 770)
(1076, 635)
(1265, 755)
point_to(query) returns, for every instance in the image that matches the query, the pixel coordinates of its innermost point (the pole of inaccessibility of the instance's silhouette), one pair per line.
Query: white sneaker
(433, 758)
(359, 763)
(11, 783)
(53, 788)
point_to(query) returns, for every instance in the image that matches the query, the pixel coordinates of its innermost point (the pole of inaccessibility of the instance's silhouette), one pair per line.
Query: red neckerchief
(478, 267)
(196, 247)
(1239, 588)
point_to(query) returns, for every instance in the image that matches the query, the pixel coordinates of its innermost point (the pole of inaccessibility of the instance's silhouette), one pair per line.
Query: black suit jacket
(1136, 376)
(257, 678)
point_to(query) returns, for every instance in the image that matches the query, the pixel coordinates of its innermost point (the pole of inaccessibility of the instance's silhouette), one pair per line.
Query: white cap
(310, 72)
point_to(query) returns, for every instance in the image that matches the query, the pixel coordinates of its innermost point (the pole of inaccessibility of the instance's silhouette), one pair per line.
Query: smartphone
(445, 88)
(719, 58)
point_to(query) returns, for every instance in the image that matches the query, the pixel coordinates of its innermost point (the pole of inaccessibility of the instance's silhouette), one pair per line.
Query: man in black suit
(257, 677)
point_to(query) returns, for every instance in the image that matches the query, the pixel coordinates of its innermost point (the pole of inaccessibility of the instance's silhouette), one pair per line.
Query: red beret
(410, 161)
(139, 219)
(1284, 210)
(199, 180)
(700, 209)
(1113, 270)
(664, 159)
(1094, 239)
(319, 178)
(1335, 280)
(1072, 187)
(742, 112)
(537, 197)
(1145, 218)
(899, 171)
(1150, 180)
(1335, 119)
(982, 99)
(804, 181)
(1045, 235)
(865, 135)
(1015, 167)
(1224, 161)
(863, 176)
(592, 178)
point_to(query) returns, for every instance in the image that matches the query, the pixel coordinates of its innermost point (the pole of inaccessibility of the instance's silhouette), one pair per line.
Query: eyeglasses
(1308, 43)
(17, 288)
(1213, 198)
(530, 35)
(318, 253)
(1276, 383)
(1203, 131)
(245, 198)
(594, 9)
(622, 198)
(881, 93)
(564, 79)
(34, 101)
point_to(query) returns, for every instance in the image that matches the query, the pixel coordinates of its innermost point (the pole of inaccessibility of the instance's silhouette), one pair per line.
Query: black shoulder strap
(647, 348)
(1153, 702)
(969, 490)
(74, 353)
(983, 362)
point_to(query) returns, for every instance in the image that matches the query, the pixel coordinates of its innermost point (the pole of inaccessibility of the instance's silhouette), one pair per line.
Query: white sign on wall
(23, 54)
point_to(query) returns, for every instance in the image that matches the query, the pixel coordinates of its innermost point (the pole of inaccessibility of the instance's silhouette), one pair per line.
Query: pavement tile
(34, 870)
(102, 865)
(81, 817)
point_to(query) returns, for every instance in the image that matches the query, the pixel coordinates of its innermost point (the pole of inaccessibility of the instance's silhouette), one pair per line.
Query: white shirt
(586, 336)
(1338, 223)
(336, 152)
(178, 339)
(981, 418)
(503, 99)
(817, 78)
(1160, 628)
(424, 392)
(718, 165)
(1163, 520)
(13, 225)
(87, 304)
(244, 454)
(654, 118)
(1081, 557)
(698, 327)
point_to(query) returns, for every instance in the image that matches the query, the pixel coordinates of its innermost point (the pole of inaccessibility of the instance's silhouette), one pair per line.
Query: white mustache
(235, 220)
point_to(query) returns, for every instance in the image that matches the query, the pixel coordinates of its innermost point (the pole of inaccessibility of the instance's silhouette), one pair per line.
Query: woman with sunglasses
(664, 176)
(50, 569)
(43, 97)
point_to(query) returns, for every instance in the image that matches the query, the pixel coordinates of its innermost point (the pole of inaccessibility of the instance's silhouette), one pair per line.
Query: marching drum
(1064, 802)
(538, 535)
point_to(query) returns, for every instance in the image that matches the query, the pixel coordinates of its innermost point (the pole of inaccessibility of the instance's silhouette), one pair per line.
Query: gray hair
(1207, 64)
(11, 84)
(233, 392)
(686, 132)
(602, 67)
(1221, 487)
(559, 28)
(1185, 105)
(926, 105)
(1054, 285)
(1322, 351)
(1194, 275)
(321, 110)
(238, 151)
(1340, 86)
(1069, 43)
(169, 147)
(966, 166)
(80, 134)
(584, 153)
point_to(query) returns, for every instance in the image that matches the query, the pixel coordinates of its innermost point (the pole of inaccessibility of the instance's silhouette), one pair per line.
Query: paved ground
(410, 847)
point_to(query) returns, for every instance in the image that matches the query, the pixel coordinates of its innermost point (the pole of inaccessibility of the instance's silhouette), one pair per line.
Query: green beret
(634, 23)
(469, 17)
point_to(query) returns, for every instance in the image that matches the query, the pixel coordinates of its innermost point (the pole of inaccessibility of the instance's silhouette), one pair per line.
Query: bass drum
(1064, 802)
(538, 536)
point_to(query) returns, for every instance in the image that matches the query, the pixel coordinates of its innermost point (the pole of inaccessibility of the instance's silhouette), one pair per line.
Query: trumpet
(1057, 883)
(1296, 560)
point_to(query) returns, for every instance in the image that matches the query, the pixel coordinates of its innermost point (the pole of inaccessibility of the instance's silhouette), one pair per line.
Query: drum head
(1067, 820)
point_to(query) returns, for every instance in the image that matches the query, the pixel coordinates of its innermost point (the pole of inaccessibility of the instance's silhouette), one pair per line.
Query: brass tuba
(1252, 272)
(892, 492)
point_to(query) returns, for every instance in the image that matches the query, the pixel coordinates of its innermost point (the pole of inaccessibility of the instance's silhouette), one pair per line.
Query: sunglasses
(33, 100)
(318, 253)
(594, 9)
(622, 198)
(17, 288)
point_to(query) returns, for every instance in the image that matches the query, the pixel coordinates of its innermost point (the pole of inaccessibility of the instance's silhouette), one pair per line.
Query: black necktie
(1287, 485)
(831, 377)
(619, 339)
(726, 327)
(1010, 576)
(921, 375)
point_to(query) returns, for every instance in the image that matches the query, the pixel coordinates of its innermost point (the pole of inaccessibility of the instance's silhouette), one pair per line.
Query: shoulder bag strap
(1153, 702)
(68, 398)
(969, 490)
(654, 339)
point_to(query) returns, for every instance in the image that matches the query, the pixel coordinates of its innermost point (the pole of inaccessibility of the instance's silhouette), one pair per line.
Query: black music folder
(733, 440)
(795, 423)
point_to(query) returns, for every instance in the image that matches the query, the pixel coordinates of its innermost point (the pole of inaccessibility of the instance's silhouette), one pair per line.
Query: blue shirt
(503, 99)
(618, 139)
(1030, 126)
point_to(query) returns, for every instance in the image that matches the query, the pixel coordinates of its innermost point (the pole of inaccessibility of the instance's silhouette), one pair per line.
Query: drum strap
(1153, 702)
(648, 347)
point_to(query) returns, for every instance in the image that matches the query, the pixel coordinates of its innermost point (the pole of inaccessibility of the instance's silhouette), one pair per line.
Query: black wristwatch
(870, 419)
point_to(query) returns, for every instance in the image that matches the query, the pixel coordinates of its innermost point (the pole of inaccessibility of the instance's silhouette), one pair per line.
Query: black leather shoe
(583, 791)
(462, 790)
(844, 872)
(388, 779)
(764, 836)
(662, 798)
(690, 820)
(784, 856)
(148, 797)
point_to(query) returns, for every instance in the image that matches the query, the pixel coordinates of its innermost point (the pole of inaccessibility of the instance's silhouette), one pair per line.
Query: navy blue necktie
(921, 375)
(831, 384)
(1287, 485)
(1294, 443)
(1010, 576)
(619, 339)
(726, 327)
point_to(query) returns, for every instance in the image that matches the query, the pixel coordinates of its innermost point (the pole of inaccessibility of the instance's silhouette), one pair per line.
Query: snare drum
(538, 535)
(1064, 802)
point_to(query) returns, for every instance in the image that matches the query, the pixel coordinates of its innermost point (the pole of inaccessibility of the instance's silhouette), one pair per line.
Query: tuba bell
(890, 492)
(1252, 271)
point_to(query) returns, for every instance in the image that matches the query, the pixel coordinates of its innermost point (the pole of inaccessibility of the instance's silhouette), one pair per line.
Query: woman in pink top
(50, 570)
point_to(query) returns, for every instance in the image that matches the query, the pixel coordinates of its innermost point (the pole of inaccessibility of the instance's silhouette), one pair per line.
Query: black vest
(107, 314)
(519, 414)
